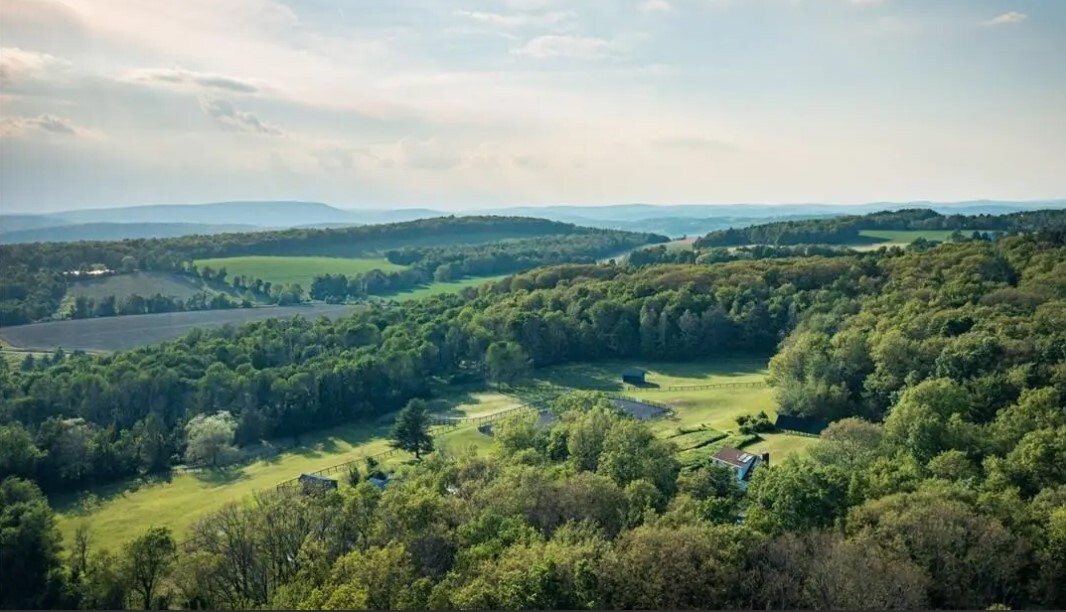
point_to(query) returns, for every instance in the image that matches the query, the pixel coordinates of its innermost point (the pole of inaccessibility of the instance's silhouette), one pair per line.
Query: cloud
(224, 112)
(696, 144)
(19, 64)
(544, 47)
(179, 77)
(517, 20)
(16, 127)
(427, 155)
(655, 6)
(1011, 18)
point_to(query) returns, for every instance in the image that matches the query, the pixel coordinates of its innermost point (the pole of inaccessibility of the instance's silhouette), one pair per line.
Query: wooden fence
(440, 422)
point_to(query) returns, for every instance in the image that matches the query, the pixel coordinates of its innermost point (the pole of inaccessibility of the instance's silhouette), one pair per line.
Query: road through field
(127, 332)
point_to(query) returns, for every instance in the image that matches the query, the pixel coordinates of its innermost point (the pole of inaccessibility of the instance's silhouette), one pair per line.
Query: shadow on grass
(220, 476)
(85, 502)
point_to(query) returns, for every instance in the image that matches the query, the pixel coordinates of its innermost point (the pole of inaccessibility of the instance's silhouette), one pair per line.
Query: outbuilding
(634, 376)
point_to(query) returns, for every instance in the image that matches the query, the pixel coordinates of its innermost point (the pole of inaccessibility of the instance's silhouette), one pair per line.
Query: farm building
(803, 425)
(634, 376)
(313, 482)
(742, 463)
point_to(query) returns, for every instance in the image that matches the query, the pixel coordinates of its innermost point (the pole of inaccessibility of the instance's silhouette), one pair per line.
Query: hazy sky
(495, 102)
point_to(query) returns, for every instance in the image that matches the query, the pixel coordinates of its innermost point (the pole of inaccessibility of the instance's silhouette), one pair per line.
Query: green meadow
(300, 270)
(704, 419)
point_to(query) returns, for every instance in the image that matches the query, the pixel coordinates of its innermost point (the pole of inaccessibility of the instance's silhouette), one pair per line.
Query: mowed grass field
(715, 407)
(880, 238)
(300, 270)
(120, 512)
(449, 287)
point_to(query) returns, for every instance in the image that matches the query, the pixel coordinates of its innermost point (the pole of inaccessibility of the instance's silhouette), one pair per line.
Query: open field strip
(300, 270)
(437, 288)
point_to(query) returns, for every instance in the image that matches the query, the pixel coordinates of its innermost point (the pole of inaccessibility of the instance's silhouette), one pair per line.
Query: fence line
(731, 385)
(450, 424)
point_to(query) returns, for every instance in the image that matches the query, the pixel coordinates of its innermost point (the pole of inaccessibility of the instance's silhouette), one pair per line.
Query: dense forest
(941, 482)
(34, 277)
(847, 229)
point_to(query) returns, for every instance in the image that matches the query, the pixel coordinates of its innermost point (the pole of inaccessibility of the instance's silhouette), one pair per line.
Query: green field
(716, 408)
(706, 416)
(449, 287)
(300, 270)
(908, 236)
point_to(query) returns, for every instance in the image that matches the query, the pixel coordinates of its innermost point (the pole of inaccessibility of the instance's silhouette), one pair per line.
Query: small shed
(379, 481)
(634, 376)
(314, 482)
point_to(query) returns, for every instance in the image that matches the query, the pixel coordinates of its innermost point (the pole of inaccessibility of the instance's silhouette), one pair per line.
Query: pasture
(132, 331)
(904, 237)
(144, 284)
(438, 288)
(300, 270)
(703, 421)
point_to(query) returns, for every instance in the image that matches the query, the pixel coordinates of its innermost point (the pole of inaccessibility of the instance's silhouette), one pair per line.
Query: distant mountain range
(171, 220)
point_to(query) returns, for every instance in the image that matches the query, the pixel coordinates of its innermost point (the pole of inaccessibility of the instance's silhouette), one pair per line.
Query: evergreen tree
(410, 432)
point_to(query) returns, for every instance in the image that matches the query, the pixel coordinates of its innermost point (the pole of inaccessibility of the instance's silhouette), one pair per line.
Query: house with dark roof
(741, 462)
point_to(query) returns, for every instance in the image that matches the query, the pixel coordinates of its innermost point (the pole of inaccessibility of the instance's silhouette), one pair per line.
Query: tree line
(34, 277)
(443, 264)
(847, 229)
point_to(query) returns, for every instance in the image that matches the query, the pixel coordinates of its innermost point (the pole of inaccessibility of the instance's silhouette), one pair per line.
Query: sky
(483, 103)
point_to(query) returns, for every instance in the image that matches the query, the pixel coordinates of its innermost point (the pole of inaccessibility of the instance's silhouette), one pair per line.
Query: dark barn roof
(801, 424)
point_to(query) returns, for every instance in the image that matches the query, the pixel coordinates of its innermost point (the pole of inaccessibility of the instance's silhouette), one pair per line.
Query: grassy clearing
(908, 236)
(121, 511)
(703, 422)
(696, 439)
(301, 270)
(449, 287)
(118, 512)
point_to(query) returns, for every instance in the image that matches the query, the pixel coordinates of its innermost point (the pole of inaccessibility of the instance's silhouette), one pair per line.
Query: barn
(634, 376)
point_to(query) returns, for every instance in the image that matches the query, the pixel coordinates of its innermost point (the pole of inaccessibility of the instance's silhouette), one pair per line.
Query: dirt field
(120, 333)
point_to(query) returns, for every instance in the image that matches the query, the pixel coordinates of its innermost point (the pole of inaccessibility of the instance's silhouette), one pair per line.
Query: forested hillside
(34, 277)
(940, 484)
(847, 229)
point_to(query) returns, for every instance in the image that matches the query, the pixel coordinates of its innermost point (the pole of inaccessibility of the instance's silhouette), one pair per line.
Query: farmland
(299, 270)
(438, 288)
(120, 333)
(127, 332)
(707, 414)
(908, 236)
(144, 284)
